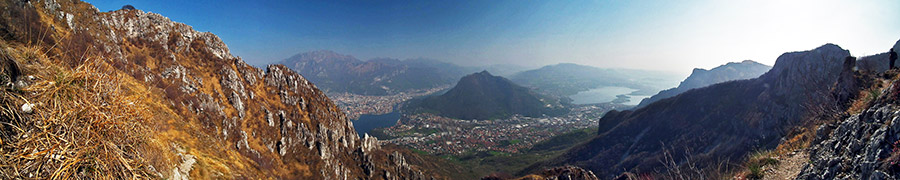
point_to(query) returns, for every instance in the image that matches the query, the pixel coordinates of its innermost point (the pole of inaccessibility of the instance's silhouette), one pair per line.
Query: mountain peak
(749, 62)
(483, 73)
(484, 96)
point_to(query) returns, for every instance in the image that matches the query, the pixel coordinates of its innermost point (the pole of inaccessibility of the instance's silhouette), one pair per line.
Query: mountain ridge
(799, 86)
(565, 79)
(746, 69)
(339, 73)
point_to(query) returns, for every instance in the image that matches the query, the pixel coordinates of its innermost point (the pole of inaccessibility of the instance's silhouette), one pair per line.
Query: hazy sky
(640, 34)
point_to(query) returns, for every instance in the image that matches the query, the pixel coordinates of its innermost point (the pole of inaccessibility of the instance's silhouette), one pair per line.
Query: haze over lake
(606, 94)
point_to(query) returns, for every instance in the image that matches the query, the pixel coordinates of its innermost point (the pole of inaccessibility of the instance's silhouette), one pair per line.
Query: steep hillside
(722, 122)
(337, 73)
(863, 144)
(129, 94)
(701, 78)
(567, 79)
(484, 96)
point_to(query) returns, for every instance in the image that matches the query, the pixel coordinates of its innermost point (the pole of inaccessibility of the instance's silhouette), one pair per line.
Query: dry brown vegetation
(84, 123)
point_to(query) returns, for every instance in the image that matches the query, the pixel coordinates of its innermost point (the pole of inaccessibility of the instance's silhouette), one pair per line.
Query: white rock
(28, 108)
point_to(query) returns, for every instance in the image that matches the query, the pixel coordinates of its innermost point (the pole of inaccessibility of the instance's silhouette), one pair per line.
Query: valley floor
(447, 136)
(355, 105)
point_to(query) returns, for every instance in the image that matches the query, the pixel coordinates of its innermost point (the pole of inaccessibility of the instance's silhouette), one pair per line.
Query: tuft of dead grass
(84, 124)
(757, 163)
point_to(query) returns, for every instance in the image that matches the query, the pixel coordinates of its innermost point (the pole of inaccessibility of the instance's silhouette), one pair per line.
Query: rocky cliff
(865, 145)
(202, 112)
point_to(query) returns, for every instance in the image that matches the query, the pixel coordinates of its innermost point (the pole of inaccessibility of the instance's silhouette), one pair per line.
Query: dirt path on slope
(788, 167)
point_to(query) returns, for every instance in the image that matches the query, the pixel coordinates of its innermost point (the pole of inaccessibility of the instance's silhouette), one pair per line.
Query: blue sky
(638, 34)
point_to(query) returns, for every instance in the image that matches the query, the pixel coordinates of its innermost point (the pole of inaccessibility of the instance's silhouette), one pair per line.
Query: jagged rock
(858, 148)
(369, 143)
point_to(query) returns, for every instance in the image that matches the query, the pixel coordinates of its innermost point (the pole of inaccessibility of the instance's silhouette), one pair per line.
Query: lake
(607, 94)
(367, 122)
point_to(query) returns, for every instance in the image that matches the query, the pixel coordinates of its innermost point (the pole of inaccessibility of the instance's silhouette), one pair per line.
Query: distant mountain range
(701, 78)
(725, 121)
(567, 79)
(338, 73)
(485, 96)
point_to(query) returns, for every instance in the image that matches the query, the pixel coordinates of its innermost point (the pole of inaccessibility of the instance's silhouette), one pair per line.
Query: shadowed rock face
(701, 78)
(230, 120)
(720, 122)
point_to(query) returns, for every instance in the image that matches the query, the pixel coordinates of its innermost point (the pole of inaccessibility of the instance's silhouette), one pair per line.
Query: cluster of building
(355, 105)
(441, 135)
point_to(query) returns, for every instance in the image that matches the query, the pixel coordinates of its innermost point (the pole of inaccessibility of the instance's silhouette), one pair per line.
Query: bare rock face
(862, 146)
(232, 120)
(857, 148)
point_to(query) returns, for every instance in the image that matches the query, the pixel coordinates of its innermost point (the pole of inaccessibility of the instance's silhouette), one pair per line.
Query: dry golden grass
(84, 124)
(865, 98)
